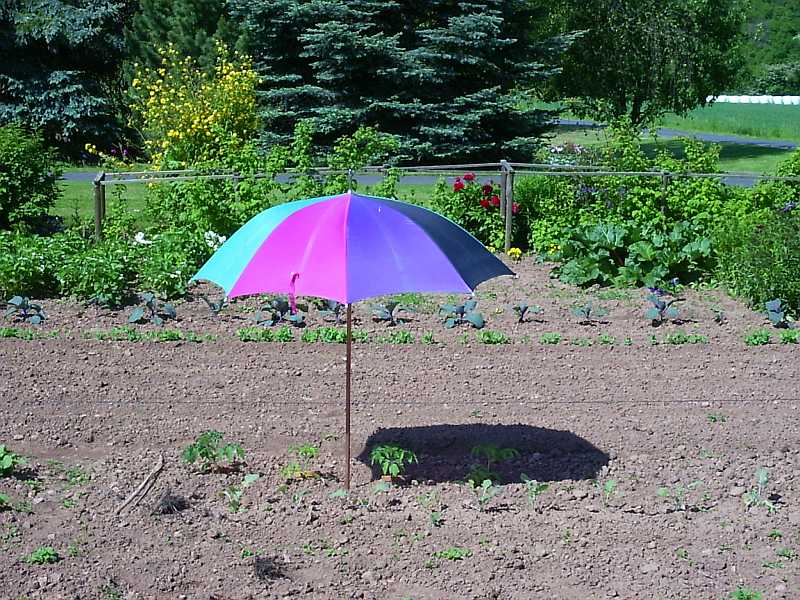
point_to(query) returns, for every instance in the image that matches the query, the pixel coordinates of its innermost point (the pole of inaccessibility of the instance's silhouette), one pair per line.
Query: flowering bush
(189, 116)
(567, 154)
(474, 206)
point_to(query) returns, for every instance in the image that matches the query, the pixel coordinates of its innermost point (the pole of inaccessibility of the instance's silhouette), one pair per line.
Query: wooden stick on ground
(144, 487)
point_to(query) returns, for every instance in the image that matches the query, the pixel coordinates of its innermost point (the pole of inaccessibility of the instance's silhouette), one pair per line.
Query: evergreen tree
(440, 75)
(192, 26)
(59, 67)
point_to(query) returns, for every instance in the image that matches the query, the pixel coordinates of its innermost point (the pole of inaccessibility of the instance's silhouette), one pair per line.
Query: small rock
(18, 437)
(649, 567)
(736, 491)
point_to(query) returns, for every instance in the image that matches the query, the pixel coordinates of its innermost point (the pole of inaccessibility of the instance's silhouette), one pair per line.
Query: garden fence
(506, 171)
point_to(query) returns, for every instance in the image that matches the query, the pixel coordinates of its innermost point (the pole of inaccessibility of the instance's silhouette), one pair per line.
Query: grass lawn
(767, 121)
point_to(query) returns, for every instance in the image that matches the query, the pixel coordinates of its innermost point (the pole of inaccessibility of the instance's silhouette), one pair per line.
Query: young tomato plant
(209, 451)
(392, 459)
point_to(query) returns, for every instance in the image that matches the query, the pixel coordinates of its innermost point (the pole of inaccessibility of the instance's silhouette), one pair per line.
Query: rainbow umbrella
(348, 248)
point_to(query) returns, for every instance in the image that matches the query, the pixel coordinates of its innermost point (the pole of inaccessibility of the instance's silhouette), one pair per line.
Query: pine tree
(440, 75)
(59, 67)
(192, 26)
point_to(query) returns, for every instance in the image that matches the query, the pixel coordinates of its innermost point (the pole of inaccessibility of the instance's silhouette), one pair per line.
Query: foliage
(233, 494)
(24, 310)
(606, 339)
(494, 454)
(277, 311)
(166, 265)
(259, 334)
(398, 337)
(215, 306)
(103, 272)
(43, 555)
(209, 450)
(678, 494)
(757, 497)
(589, 314)
(790, 336)
(473, 206)
(743, 593)
(152, 311)
(758, 256)
(447, 91)
(58, 74)
(388, 312)
(492, 337)
(678, 338)
(759, 337)
(661, 309)
(9, 461)
(533, 489)
(332, 335)
(391, 458)
(454, 553)
(458, 314)
(479, 473)
(483, 492)
(521, 309)
(332, 308)
(550, 338)
(427, 338)
(629, 255)
(644, 58)
(777, 314)
(306, 452)
(608, 490)
(28, 174)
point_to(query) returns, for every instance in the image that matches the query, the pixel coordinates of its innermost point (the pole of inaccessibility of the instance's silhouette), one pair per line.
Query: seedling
(533, 489)
(716, 418)
(777, 315)
(678, 494)
(679, 338)
(9, 461)
(24, 310)
(454, 553)
(215, 307)
(756, 496)
(332, 308)
(5, 502)
(582, 342)
(775, 535)
(152, 311)
(233, 494)
(338, 493)
(492, 337)
(786, 553)
(389, 313)
(484, 492)
(627, 342)
(589, 314)
(550, 338)
(458, 314)
(479, 473)
(521, 309)
(608, 490)
(743, 593)
(44, 555)
(759, 337)
(278, 311)
(305, 453)
(662, 310)
(433, 503)
(392, 459)
(789, 336)
(399, 337)
(606, 339)
(493, 454)
(427, 338)
(209, 450)
(719, 316)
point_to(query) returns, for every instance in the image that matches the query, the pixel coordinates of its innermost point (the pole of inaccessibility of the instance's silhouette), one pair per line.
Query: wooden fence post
(509, 214)
(99, 205)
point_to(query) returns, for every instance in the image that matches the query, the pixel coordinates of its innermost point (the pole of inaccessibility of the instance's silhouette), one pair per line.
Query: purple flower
(790, 206)
(125, 152)
(114, 151)
(657, 291)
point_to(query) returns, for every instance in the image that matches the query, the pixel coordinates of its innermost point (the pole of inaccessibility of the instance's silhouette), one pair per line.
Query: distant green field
(767, 121)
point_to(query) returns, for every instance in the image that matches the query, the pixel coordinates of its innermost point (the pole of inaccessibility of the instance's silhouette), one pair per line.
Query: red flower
(485, 203)
(495, 200)
(469, 177)
(487, 188)
(458, 185)
(514, 208)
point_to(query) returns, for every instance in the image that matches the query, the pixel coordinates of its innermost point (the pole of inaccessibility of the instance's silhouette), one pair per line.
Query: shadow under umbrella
(447, 453)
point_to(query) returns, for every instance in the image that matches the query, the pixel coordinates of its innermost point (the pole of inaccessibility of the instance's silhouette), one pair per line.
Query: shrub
(29, 263)
(101, 272)
(28, 174)
(166, 265)
(758, 257)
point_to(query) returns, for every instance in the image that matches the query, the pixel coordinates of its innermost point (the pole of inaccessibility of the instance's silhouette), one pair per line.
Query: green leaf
(475, 319)
(652, 314)
(136, 315)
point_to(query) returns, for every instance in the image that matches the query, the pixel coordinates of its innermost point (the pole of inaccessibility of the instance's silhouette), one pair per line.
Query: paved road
(741, 181)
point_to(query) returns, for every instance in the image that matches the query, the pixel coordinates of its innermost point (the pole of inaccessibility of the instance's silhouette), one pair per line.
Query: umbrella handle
(292, 298)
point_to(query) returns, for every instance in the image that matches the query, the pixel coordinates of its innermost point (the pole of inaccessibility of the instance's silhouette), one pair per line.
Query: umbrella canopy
(348, 248)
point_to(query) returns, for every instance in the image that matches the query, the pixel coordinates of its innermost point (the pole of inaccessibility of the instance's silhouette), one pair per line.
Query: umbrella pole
(347, 397)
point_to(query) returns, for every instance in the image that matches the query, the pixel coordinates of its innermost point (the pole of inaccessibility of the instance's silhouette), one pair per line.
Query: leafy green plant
(484, 493)
(550, 338)
(9, 461)
(389, 312)
(391, 459)
(454, 553)
(479, 473)
(789, 336)
(277, 311)
(458, 314)
(606, 339)
(5, 502)
(627, 342)
(492, 337)
(332, 335)
(152, 311)
(777, 315)
(678, 338)
(427, 338)
(608, 489)
(233, 494)
(582, 341)
(522, 309)
(332, 309)
(533, 489)
(43, 555)
(759, 337)
(716, 418)
(400, 337)
(589, 314)
(678, 494)
(661, 310)
(24, 310)
(493, 454)
(719, 316)
(210, 451)
(743, 593)
(215, 306)
(432, 502)
(756, 497)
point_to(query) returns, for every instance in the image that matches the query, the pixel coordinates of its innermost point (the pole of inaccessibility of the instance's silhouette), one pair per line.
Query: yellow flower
(514, 253)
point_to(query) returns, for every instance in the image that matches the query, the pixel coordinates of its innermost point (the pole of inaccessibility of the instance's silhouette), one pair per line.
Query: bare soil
(94, 417)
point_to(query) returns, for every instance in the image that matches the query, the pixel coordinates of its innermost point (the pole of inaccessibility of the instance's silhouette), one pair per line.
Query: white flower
(139, 238)
(214, 240)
